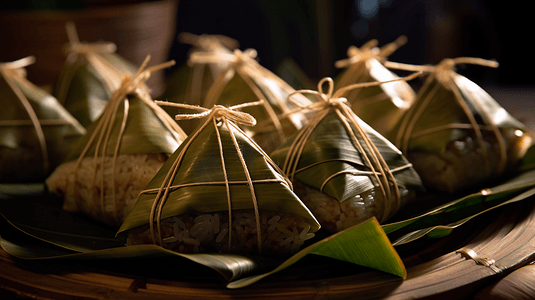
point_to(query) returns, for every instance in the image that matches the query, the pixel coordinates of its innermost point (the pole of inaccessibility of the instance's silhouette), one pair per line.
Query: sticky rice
(335, 216)
(464, 163)
(282, 234)
(81, 188)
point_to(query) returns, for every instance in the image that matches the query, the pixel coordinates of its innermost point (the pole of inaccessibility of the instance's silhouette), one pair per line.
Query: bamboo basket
(137, 29)
(435, 269)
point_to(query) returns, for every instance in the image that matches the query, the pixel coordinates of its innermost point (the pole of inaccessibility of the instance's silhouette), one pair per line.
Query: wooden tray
(506, 235)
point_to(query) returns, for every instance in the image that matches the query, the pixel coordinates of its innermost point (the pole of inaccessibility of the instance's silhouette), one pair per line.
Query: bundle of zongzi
(455, 134)
(246, 79)
(119, 155)
(219, 192)
(379, 106)
(342, 169)
(92, 72)
(36, 132)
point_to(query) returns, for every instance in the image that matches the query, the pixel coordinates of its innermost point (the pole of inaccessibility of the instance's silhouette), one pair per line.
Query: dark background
(317, 33)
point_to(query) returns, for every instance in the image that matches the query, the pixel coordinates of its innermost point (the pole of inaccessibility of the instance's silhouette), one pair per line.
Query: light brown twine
(243, 64)
(230, 117)
(372, 157)
(444, 72)
(13, 72)
(102, 134)
(111, 77)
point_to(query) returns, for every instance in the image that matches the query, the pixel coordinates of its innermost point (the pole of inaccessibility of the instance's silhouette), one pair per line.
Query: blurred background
(313, 34)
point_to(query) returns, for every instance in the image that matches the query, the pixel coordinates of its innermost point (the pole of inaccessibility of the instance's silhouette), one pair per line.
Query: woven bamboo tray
(435, 269)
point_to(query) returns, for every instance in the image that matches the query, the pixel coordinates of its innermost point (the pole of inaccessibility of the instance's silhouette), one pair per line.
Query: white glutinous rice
(81, 192)
(335, 216)
(282, 234)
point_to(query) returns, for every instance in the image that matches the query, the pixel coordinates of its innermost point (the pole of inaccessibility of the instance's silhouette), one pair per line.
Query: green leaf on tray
(364, 244)
(441, 220)
(56, 226)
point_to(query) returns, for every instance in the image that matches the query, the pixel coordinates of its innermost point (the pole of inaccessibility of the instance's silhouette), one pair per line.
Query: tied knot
(326, 99)
(231, 114)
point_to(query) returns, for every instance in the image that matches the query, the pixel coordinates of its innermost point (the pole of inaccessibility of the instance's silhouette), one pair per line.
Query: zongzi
(119, 155)
(219, 192)
(36, 132)
(342, 169)
(455, 134)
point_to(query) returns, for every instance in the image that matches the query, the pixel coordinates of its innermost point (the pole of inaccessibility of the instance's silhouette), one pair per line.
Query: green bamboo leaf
(364, 244)
(444, 218)
(52, 224)
(443, 230)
